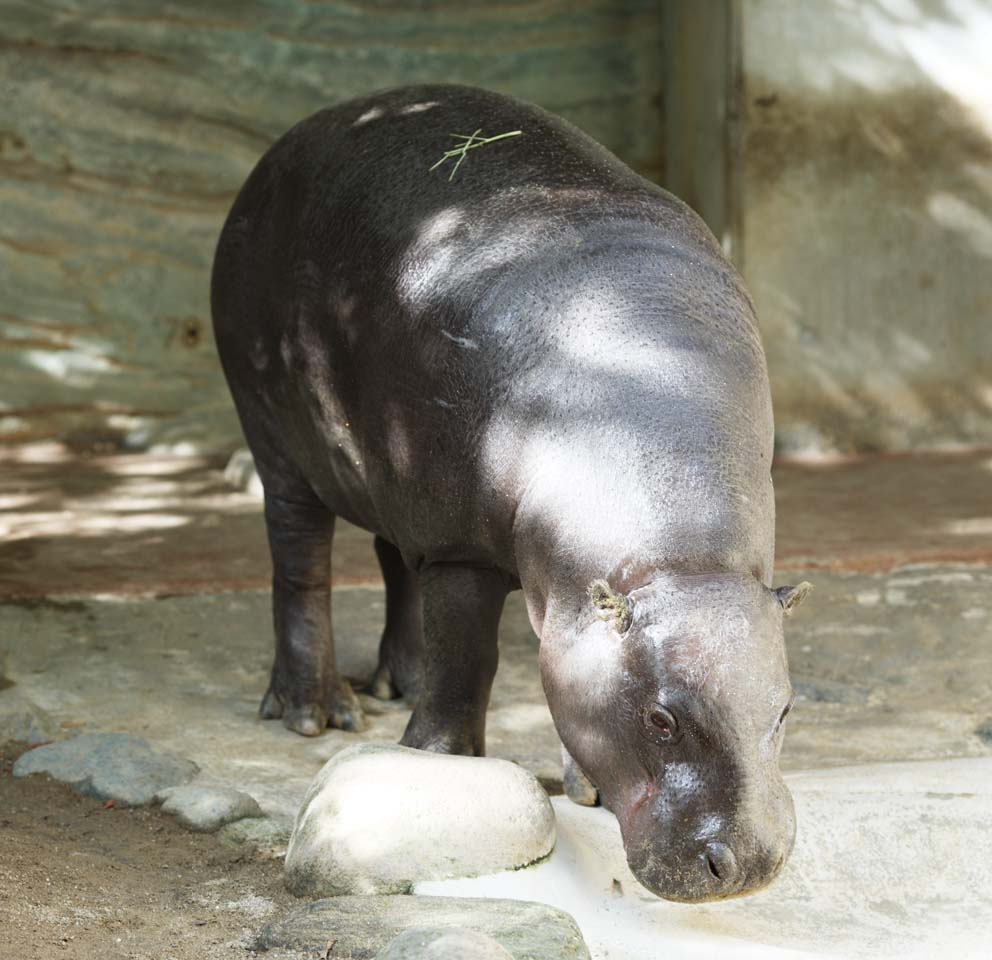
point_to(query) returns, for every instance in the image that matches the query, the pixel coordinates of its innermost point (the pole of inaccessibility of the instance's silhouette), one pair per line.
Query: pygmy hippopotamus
(455, 320)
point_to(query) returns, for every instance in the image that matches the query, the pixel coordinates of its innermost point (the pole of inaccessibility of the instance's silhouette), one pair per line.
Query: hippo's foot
(578, 787)
(399, 673)
(443, 743)
(338, 707)
(443, 736)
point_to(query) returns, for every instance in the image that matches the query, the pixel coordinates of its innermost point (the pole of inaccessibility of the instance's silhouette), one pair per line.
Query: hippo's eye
(661, 725)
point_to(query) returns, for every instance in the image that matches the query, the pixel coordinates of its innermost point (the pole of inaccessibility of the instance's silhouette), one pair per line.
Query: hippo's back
(392, 333)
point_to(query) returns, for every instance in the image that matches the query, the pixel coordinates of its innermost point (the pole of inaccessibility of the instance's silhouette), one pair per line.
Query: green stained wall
(127, 127)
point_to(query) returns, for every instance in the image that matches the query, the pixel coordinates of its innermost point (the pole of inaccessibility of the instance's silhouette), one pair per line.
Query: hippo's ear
(609, 604)
(791, 597)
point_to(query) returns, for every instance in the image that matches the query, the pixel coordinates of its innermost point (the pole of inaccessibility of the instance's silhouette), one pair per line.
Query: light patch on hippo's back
(590, 506)
(419, 107)
(450, 249)
(596, 341)
(428, 257)
(465, 342)
(374, 113)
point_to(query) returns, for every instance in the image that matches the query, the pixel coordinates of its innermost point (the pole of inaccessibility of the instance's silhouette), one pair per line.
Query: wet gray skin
(541, 374)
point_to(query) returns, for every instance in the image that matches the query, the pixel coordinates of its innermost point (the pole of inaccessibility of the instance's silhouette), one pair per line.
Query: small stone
(108, 766)
(206, 809)
(269, 836)
(23, 720)
(984, 731)
(435, 943)
(360, 927)
(379, 817)
(240, 472)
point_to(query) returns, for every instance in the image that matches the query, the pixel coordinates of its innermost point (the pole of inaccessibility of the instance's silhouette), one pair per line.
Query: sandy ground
(82, 880)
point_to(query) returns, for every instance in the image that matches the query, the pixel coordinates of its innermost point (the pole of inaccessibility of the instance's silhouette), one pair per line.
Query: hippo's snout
(696, 856)
(713, 872)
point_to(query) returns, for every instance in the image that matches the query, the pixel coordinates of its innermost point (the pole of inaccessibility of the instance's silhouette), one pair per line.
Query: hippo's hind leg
(462, 607)
(305, 689)
(401, 650)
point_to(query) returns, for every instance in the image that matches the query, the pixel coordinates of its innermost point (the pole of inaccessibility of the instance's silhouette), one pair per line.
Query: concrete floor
(133, 597)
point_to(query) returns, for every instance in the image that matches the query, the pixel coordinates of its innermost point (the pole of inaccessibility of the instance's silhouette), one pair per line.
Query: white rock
(379, 817)
(207, 808)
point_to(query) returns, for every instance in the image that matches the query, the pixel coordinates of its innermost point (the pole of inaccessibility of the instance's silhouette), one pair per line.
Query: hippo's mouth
(685, 867)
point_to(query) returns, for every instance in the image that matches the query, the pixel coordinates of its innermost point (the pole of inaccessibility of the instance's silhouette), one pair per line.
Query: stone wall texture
(866, 217)
(127, 126)
(860, 151)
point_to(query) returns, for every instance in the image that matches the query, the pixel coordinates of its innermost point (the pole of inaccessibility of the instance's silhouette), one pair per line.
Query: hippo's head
(672, 699)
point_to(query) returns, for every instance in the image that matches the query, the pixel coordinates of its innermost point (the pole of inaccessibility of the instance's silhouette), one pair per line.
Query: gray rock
(379, 817)
(23, 720)
(108, 766)
(269, 836)
(206, 809)
(240, 472)
(363, 926)
(436, 943)
(984, 731)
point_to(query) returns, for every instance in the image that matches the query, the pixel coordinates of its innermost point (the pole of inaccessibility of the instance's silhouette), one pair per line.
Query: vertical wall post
(702, 118)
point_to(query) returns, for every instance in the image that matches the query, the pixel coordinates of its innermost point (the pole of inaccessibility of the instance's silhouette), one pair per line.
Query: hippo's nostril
(721, 861)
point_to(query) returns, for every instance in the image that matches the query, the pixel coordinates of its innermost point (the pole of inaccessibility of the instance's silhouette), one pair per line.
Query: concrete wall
(126, 126)
(841, 149)
(865, 216)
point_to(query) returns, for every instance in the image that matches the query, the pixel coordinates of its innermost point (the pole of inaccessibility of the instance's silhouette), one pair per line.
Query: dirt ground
(73, 885)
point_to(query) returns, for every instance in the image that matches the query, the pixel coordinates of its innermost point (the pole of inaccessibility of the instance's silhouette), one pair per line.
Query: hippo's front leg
(578, 787)
(305, 689)
(462, 607)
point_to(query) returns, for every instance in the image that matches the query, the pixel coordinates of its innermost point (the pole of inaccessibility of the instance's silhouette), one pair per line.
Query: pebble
(206, 809)
(984, 731)
(268, 836)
